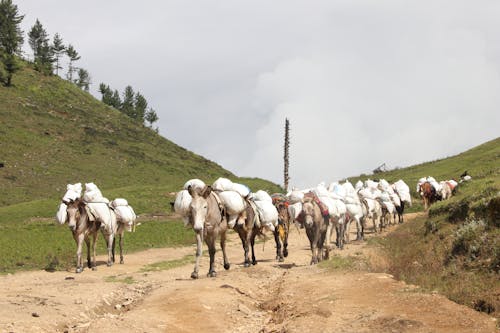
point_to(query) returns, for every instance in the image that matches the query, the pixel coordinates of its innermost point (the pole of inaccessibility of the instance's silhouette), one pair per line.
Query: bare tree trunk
(286, 154)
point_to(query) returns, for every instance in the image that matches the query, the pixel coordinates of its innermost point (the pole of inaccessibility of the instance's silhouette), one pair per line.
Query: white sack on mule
(102, 212)
(125, 214)
(243, 190)
(182, 203)
(233, 202)
(196, 184)
(222, 184)
(262, 196)
(268, 214)
(119, 202)
(295, 197)
(73, 192)
(62, 214)
(93, 194)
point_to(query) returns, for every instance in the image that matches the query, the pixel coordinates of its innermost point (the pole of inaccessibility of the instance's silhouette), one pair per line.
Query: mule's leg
(358, 228)
(87, 242)
(110, 244)
(285, 240)
(223, 247)
(94, 242)
(121, 246)
(279, 256)
(346, 230)
(211, 251)
(244, 235)
(79, 242)
(113, 250)
(199, 252)
(328, 236)
(252, 245)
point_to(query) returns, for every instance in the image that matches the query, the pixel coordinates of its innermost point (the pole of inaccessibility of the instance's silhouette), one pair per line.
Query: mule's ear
(190, 190)
(206, 191)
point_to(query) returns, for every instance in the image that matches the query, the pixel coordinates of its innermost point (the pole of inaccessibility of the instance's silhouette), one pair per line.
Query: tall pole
(286, 154)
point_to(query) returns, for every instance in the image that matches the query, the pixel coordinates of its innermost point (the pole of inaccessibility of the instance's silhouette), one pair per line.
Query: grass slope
(456, 248)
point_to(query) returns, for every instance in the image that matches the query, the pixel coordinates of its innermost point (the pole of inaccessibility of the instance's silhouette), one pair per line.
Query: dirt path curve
(269, 297)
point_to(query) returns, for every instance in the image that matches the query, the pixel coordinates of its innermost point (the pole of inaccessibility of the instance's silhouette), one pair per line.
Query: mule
(209, 222)
(429, 195)
(283, 229)
(248, 228)
(101, 212)
(371, 210)
(316, 225)
(83, 230)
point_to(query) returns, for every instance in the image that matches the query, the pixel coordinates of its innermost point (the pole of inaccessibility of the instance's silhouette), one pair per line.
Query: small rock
(244, 309)
(118, 306)
(34, 314)
(69, 278)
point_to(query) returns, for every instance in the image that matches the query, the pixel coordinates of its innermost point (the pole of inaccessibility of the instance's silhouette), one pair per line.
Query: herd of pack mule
(212, 210)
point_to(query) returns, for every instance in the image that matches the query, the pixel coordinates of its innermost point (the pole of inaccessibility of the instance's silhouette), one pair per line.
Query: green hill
(53, 133)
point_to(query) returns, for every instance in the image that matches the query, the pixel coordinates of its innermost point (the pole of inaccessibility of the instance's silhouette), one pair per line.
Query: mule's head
(283, 216)
(199, 207)
(308, 210)
(73, 210)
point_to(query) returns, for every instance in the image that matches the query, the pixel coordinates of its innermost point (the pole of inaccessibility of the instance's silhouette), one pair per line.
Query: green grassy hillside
(455, 249)
(53, 133)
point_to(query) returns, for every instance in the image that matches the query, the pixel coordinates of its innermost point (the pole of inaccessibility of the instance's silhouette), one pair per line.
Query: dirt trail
(269, 297)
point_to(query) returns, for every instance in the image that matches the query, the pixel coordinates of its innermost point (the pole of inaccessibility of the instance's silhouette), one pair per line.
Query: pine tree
(116, 101)
(11, 40)
(106, 94)
(83, 80)
(73, 56)
(43, 56)
(151, 117)
(58, 49)
(127, 106)
(140, 107)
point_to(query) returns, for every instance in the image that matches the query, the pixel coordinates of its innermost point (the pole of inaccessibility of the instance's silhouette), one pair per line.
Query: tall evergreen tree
(151, 117)
(11, 40)
(140, 107)
(106, 94)
(73, 56)
(116, 101)
(83, 80)
(42, 52)
(127, 105)
(58, 49)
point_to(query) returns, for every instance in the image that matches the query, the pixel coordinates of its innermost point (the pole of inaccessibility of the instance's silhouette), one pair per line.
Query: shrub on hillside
(468, 239)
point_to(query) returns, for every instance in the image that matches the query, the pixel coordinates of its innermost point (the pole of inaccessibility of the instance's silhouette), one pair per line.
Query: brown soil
(269, 297)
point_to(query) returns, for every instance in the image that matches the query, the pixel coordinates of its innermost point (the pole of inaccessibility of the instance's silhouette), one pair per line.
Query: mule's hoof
(89, 265)
(121, 261)
(79, 269)
(247, 264)
(194, 275)
(227, 266)
(212, 274)
(109, 264)
(94, 268)
(254, 262)
(285, 253)
(281, 259)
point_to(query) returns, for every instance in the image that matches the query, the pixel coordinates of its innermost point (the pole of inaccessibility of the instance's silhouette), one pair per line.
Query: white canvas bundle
(359, 185)
(321, 191)
(262, 196)
(452, 183)
(384, 196)
(119, 202)
(370, 193)
(222, 184)
(395, 199)
(352, 200)
(196, 184)
(295, 209)
(103, 213)
(182, 202)
(295, 197)
(335, 207)
(233, 202)
(243, 190)
(389, 206)
(73, 192)
(338, 190)
(371, 184)
(62, 214)
(268, 214)
(93, 194)
(403, 191)
(125, 214)
(349, 189)
(467, 178)
(383, 184)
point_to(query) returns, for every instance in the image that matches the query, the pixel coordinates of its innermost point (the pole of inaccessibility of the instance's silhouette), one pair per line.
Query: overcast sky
(362, 82)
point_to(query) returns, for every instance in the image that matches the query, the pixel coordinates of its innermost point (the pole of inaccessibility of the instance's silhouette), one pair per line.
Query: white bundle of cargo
(101, 211)
(383, 184)
(262, 196)
(370, 193)
(335, 207)
(224, 184)
(359, 185)
(321, 191)
(403, 191)
(268, 214)
(295, 196)
(295, 209)
(196, 184)
(395, 199)
(384, 196)
(389, 206)
(452, 184)
(434, 184)
(371, 184)
(124, 213)
(93, 194)
(351, 196)
(73, 192)
(337, 191)
(62, 214)
(234, 204)
(181, 205)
